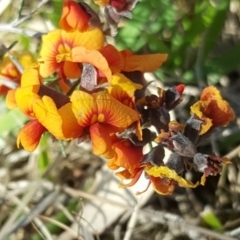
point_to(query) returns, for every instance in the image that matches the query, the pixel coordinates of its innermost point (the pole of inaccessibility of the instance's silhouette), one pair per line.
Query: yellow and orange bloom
(103, 115)
(212, 110)
(74, 17)
(59, 43)
(126, 155)
(23, 97)
(9, 71)
(163, 179)
(47, 109)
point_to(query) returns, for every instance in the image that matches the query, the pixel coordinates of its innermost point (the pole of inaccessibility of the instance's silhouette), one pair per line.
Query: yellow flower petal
(47, 114)
(25, 98)
(70, 127)
(30, 77)
(126, 84)
(101, 141)
(198, 109)
(26, 59)
(101, 107)
(84, 108)
(10, 99)
(165, 172)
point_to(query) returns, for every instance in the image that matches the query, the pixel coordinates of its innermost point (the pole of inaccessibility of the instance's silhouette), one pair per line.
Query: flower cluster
(82, 88)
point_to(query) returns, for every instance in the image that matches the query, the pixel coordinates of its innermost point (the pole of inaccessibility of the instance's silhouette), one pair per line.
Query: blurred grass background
(202, 38)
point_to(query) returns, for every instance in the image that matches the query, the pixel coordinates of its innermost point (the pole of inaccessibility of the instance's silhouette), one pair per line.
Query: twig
(234, 233)
(25, 220)
(132, 223)
(65, 211)
(36, 221)
(9, 83)
(91, 197)
(230, 155)
(12, 57)
(179, 222)
(214, 145)
(59, 224)
(20, 8)
(26, 199)
(17, 190)
(13, 29)
(17, 22)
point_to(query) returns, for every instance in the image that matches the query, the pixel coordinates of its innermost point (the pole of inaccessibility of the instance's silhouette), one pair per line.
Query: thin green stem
(20, 8)
(73, 87)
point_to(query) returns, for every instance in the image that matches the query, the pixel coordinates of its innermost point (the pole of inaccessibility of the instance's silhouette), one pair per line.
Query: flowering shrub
(99, 94)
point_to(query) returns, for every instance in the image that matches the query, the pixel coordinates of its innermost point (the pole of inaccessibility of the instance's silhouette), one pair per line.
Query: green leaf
(215, 28)
(226, 62)
(57, 9)
(211, 219)
(43, 158)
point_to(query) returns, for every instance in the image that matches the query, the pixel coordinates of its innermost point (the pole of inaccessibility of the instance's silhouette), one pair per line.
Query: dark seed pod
(164, 115)
(183, 146)
(175, 163)
(192, 129)
(173, 96)
(155, 156)
(200, 160)
(156, 121)
(147, 136)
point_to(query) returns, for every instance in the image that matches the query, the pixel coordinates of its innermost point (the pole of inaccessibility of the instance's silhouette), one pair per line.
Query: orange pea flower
(163, 179)
(74, 17)
(58, 43)
(212, 110)
(30, 134)
(47, 109)
(9, 71)
(126, 155)
(103, 116)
